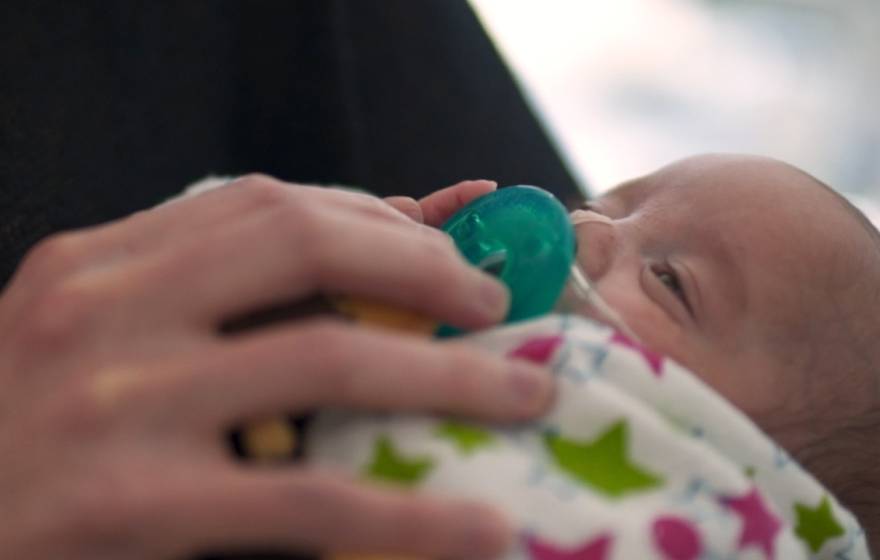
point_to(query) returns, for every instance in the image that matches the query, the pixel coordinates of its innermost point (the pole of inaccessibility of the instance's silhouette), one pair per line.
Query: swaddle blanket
(637, 459)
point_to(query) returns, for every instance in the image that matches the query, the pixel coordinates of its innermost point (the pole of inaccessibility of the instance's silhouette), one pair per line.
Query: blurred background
(626, 86)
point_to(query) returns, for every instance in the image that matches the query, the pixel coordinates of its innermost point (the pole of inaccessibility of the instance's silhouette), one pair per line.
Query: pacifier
(524, 236)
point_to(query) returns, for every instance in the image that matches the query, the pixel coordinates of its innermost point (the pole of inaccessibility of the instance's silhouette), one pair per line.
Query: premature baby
(763, 282)
(766, 284)
(758, 279)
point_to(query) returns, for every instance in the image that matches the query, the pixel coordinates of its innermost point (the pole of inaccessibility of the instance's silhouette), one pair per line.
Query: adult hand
(118, 390)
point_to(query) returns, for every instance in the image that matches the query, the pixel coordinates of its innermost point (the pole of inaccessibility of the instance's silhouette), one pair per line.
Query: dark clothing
(110, 107)
(106, 108)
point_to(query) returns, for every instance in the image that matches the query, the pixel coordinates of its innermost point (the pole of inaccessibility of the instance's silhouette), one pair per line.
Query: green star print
(602, 464)
(815, 526)
(390, 465)
(465, 438)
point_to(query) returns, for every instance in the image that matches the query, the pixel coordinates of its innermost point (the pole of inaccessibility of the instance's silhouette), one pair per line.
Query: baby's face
(718, 260)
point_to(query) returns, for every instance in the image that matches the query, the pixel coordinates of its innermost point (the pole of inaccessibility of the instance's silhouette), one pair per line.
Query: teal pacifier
(522, 235)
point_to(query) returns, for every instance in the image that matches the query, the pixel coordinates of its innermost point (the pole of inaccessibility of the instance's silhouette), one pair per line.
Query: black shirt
(106, 108)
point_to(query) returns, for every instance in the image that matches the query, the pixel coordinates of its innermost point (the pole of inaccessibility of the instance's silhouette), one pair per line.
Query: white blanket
(637, 459)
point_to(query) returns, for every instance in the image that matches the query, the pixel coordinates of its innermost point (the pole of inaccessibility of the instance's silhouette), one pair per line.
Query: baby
(763, 282)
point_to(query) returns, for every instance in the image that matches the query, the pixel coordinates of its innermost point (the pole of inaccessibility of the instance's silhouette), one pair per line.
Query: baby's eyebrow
(728, 281)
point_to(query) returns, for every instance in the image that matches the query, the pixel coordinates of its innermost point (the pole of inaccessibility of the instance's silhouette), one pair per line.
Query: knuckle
(55, 255)
(294, 217)
(264, 191)
(107, 394)
(60, 313)
(89, 405)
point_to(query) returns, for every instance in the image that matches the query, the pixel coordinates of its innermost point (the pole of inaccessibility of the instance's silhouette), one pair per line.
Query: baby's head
(767, 284)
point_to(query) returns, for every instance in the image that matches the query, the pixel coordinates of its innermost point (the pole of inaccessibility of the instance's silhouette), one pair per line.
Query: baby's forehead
(778, 223)
(739, 191)
(723, 178)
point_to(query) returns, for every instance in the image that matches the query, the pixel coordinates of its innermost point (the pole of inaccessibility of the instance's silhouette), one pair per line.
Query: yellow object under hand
(275, 439)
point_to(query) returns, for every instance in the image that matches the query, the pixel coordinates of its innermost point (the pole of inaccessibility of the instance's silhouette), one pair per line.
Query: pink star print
(596, 549)
(538, 350)
(760, 526)
(677, 538)
(655, 360)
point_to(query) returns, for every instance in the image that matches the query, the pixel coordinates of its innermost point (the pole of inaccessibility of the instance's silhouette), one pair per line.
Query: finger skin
(326, 363)
(240, 199)
(62, 255)
(249, 193)
(298, 251)
(306, 510)
(439, 206)
(408, 206)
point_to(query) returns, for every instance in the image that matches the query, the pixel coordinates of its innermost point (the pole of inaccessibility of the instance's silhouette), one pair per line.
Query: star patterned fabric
(637, 458)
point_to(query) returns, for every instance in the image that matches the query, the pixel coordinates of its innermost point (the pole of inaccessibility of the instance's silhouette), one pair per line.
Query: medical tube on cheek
(581, 297)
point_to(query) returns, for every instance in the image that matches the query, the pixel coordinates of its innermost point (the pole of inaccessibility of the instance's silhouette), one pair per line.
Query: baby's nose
(597, 240)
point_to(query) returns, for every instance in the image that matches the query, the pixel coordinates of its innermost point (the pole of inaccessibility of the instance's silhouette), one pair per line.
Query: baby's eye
(670, 279)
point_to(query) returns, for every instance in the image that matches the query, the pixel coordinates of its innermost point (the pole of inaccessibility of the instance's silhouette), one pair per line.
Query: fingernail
(495, 298)
(529, 386)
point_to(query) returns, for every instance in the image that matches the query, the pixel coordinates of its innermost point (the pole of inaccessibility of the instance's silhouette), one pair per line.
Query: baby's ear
(439, 206)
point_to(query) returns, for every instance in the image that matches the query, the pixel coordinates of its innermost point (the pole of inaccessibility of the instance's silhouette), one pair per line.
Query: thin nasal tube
(585, 291)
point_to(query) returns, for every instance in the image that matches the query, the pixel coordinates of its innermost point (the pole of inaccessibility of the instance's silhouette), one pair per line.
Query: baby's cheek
(750, 381)
(642, 316)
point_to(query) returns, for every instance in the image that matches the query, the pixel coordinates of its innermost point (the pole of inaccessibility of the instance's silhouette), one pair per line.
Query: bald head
(759, 254)
(760, 279)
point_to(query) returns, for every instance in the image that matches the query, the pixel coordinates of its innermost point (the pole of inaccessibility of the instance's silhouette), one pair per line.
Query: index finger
(439, 206)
